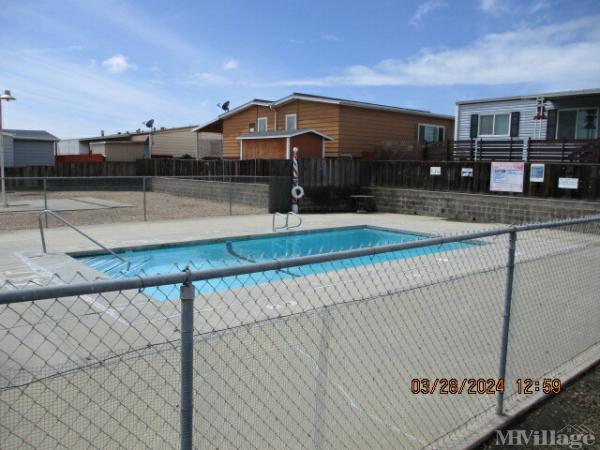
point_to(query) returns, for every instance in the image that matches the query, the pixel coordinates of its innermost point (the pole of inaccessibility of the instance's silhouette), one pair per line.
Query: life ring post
(297, 191)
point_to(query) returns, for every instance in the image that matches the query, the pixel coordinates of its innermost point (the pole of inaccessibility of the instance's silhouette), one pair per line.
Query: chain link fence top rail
(310, 352)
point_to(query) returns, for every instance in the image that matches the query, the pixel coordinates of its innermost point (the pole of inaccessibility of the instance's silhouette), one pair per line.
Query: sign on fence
(435, 170)
(507, 176)
(568, 183)
(466, 172)
(536, 173)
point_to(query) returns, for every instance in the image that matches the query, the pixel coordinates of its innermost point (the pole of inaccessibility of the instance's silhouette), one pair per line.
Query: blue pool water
(240, 251)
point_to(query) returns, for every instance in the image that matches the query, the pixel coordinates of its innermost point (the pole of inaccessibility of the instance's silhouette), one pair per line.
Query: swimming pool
(254, 249)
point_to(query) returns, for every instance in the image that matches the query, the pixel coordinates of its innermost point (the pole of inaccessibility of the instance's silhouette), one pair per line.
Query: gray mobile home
(28, 148)
(570, 115)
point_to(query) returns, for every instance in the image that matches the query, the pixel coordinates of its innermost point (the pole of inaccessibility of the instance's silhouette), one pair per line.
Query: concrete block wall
(479, 207)
(251, 194)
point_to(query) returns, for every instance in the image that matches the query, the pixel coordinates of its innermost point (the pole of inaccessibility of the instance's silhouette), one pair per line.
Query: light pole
(8, 97)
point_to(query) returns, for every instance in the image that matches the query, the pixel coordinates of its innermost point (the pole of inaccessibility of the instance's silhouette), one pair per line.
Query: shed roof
(283, 134)
(31, 135)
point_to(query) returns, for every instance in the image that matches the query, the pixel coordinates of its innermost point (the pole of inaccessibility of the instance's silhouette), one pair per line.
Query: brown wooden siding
(322, 117)
(237, 125)
(264, 149)
(309, 145)
(288, 108)
(355, 130)
(362, 130)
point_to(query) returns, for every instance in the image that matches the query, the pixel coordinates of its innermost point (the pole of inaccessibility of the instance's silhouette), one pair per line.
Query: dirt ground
(578, 404)
(159, 207)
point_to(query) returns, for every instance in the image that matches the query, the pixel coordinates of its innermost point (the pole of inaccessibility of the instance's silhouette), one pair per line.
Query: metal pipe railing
(73, 227)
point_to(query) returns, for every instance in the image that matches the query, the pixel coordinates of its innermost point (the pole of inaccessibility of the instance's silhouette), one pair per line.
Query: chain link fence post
(510, 270)
(323, 374)
(144, 189)
(187, 293)
(46, 201)
(230, 197)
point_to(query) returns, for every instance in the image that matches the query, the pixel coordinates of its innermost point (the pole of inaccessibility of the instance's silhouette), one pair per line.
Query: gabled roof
(320, 99)
(283, 134)
(31, 135)
(546, 95)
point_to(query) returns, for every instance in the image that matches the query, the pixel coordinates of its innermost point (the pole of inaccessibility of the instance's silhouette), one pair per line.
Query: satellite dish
(149, 124)
(224, 106)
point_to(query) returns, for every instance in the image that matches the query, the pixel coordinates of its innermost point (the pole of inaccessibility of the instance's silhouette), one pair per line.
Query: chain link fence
(93, 200)
(373, 347)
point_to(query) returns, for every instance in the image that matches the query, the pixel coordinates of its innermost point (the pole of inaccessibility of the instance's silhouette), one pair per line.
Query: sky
(78, 67)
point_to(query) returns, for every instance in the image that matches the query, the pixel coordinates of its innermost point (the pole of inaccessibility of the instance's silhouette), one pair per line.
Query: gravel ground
(159, 207)
(577, 404)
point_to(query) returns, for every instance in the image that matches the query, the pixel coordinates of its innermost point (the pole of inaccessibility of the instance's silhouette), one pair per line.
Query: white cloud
(538, 6)
(329, 38)
(557, 56)
(116, 64)
(494, 7)
(424, 9)
(231, 64)
(76, 99)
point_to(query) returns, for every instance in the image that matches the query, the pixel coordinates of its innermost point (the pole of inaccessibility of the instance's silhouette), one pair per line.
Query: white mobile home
(571, 115)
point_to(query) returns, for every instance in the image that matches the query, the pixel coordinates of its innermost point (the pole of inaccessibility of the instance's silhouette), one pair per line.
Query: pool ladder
(286, 225)
(47, 212)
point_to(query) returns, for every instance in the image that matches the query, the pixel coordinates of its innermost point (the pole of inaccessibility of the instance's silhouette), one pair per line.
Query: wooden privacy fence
(344, 173)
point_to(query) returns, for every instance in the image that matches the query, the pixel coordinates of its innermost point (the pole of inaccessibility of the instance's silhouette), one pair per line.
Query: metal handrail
(73, 227)
(296, 215)
(287, 226)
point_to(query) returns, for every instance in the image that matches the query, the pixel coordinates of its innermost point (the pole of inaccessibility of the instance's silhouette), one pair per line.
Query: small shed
(28, 148)
(278, 144)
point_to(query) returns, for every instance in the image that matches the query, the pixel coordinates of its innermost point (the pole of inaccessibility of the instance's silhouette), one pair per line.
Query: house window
(577, 124)
(290, 121)
(262, 124)
(494, 124)
(431, 133)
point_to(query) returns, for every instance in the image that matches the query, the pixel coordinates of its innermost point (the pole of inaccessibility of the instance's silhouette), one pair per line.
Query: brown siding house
(322, 127)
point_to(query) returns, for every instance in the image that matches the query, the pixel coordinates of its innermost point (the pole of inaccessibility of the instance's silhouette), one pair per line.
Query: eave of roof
(111, 142)
(283, 134)
(546, 95)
